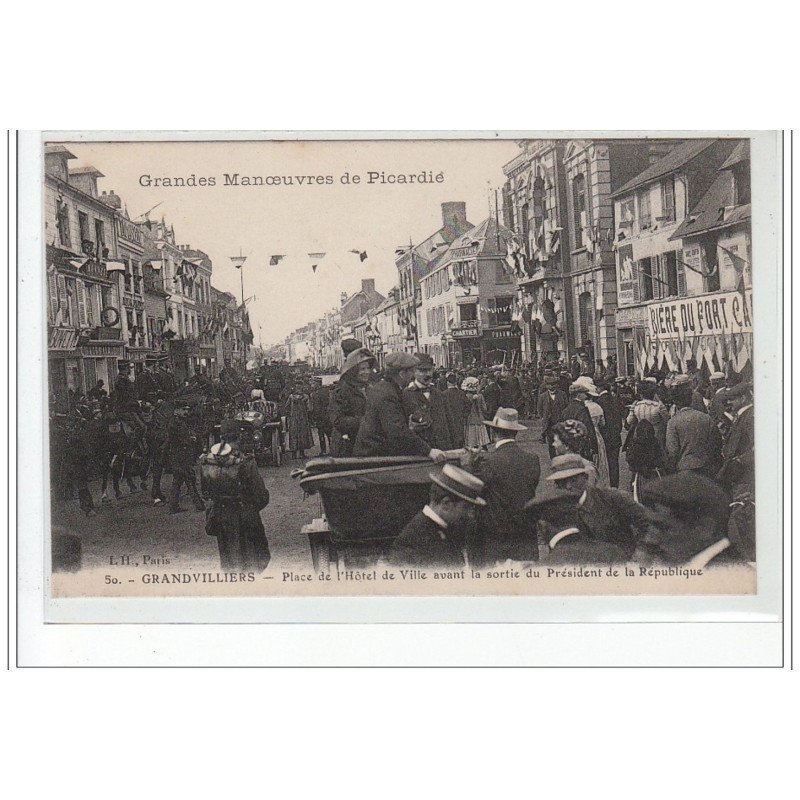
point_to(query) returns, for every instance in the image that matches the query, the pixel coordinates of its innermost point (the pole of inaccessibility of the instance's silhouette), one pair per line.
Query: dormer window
(741, 183)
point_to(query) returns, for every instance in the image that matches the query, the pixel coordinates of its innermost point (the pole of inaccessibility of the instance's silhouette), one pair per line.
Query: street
(132, 527)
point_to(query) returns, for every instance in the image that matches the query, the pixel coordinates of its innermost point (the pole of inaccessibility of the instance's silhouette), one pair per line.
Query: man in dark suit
(511, 476)
(552, 401)
(738, 469)
(458, 408)
(436, 536)
(612, 432)
(427, 405)
(692, 438)
(348, 401)
(492, 395)
(385, 429)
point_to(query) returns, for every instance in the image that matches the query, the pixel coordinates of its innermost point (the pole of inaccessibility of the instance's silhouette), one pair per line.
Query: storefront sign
(62, 339)
(461, 333)
(102, 351)
(628, 317)
(705, 315)
(133, 302)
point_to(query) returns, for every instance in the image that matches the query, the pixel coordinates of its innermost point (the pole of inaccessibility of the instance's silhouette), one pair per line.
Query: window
(711, 281)
(626, 212)
(585, 317)
(668, 199)
(86, 238)
(128, 275)
(526, 229)
(579, 208)
(62, 223)
(99, 237)
(468, 312)
(503, 310)
(669, 274)
(645, 220)
(646, 277)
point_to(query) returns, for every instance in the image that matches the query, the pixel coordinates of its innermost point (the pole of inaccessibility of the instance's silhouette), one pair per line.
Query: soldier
(233, 484)
(183, 447)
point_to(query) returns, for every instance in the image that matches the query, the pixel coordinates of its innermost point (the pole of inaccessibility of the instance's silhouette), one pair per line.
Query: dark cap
(686, 493)
(348, 345)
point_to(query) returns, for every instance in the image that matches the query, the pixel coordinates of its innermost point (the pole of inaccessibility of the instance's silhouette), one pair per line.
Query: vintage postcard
(410, 366)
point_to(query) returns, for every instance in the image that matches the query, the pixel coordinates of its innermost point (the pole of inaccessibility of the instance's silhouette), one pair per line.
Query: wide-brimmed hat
(400, 361)
(355, 358)
(506, 419)
(583, 384)
(566, 466)
(471, 384)
(460, 483)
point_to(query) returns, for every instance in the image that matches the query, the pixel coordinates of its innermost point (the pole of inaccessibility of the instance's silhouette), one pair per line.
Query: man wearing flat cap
(436, 536)
(233, 484)
(385, 429)
(691, 528)
(426, 404)
(511, 476)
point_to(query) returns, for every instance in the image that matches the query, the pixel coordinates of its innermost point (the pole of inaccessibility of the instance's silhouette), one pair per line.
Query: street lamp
(238, 262)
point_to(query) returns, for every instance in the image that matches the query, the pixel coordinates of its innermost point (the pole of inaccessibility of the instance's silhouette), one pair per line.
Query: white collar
(434, 517)
(742, 410)
(562, 535)
(712, 551)
(582, 498)
(500, 442)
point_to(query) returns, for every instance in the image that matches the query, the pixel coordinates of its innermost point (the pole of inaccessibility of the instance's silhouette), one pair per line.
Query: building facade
(683, 293)
(83, 311)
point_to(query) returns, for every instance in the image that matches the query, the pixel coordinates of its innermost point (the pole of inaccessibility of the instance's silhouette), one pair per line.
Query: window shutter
(63, 300)
(90, 295)
(81, 292)
(681, 274)
(53, 286)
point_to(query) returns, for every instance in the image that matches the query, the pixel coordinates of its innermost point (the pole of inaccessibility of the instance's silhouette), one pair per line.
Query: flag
(314, 267)
(80, 264)
(555, 240)
(273, 260)
(115, 266)
(316, 256)
(362, 254)
(739, 265)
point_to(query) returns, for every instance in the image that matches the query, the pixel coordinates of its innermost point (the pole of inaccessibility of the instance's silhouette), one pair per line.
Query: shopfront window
(468, 312)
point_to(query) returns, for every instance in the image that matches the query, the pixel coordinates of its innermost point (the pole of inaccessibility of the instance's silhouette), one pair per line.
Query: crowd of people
(687, 440)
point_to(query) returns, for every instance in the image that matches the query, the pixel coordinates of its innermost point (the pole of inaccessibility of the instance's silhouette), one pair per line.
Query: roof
(87, 170)
(740, 153)
(490, 238)
(58, 149)
(714, 210)
(429, 253)
(673, 161)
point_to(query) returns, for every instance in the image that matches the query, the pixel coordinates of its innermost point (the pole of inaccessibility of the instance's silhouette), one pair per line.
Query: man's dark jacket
(458, 407)
(424, 544)
(612, 411)
(433, 409)
(550, 409)
(384, 429)
(738, 454)
(511, 476)
(492, 396)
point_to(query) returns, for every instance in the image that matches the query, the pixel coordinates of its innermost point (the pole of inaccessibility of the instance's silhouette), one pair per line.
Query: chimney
(343, 298)
(454, 219)
(111, 200)
(368, 285)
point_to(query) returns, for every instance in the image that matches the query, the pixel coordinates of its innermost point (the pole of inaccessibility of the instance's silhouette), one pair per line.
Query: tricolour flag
(362, 254)
(274, 260)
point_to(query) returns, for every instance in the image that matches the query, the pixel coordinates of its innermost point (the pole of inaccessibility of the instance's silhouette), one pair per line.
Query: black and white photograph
(408, 367)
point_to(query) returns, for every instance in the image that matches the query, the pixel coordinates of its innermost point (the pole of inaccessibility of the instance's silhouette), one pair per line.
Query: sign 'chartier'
(704, 315)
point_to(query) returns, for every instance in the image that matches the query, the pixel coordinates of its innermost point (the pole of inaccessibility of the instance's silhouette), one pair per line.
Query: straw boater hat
(506, 419)
(583, 384)
(566, 466)
(460, 483)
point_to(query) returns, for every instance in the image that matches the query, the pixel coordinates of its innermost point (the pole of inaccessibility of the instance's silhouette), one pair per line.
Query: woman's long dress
(475, 433)
(599, 421)
(298, 425)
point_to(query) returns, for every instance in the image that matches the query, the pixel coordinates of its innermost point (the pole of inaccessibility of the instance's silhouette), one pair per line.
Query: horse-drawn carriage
(366, 502)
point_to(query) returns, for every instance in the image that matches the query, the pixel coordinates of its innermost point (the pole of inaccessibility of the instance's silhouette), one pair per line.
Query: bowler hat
(566, 466)
(686, 493)
(348, 345)
(506, 419)
(424, 359)
(397, 361)
(460, 483)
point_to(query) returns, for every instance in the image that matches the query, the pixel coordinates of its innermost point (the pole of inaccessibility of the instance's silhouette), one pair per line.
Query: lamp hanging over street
(238, 262)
